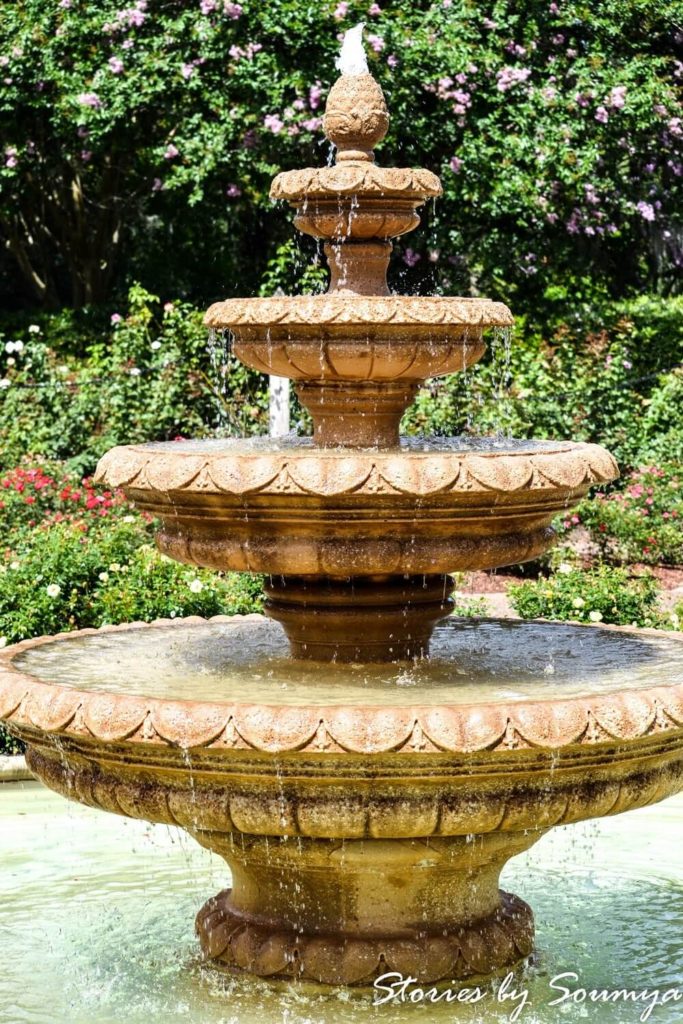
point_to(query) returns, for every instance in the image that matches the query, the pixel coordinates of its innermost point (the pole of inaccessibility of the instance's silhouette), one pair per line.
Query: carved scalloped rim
(375, 310)
(332, 472)
(627, 716)
(355, 178)
(500, 939)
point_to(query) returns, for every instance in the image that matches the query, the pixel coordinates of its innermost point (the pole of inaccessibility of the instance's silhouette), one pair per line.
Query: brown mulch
(496, 581)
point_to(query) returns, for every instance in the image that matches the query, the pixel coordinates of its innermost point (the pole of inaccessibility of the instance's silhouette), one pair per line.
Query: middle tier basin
(287, 507)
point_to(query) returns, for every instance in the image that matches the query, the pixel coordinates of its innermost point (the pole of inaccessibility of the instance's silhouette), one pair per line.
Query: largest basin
(365, 811)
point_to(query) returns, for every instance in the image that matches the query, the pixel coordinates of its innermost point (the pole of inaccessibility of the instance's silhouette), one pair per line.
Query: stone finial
(356, 117)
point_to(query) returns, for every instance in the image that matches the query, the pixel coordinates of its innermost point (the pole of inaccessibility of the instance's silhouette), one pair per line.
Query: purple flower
(455, 164)
(411, 258)
(646, 210)
(674, 126)
(315, 95)
(312, 124)
(233, 11)
(602, 115)
(170, 152)
(115, 65)
(376, 42)
(511, 76)
(617, 97)
(157, 185)
(392, 60)
(86, 156)
(340, 11)
(187, 71)
(208, 6)
(11, 157)
(273, 123)
(233, 191)
(90, 99)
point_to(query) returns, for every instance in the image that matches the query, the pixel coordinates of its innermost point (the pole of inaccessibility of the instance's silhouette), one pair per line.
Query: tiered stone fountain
(365, 790)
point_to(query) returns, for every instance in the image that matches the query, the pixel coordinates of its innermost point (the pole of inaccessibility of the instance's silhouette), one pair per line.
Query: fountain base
(359, 619)
(346, 913)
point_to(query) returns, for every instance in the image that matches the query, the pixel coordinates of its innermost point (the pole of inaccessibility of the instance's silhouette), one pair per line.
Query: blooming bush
(642, 522)
(148, 375)
(602, 594)
(153, 128)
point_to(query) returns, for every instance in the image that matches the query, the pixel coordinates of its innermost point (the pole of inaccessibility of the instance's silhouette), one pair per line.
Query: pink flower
(208, 6)
(376, 42)
(65, 4)
(86, 156)
(455, 164)
(374, 9)
(646, 210)
(170, 152)
(312, 124)
(602, 115)
(674, 126)
(90, 99)
(233, 11)
(411, 257)
(233, 191)
(315, 95)
(157, 185)
(508, 77)
(273, 123)
(115, 65)
(392, 60)
(168, 307)
(187, 70)
(489, 24)
(116, 318)
(11, 161)
(341, 11)
(617, 97)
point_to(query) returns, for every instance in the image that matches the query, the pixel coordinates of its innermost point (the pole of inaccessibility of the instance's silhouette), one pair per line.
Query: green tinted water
(96, 920)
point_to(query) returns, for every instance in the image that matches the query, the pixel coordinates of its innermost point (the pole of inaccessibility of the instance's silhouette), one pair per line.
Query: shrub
(157, 127)
(602, 594)
(150, 376)
(639, 523)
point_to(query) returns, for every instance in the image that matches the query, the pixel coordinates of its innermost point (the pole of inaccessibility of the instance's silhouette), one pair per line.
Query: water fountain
(367, 785)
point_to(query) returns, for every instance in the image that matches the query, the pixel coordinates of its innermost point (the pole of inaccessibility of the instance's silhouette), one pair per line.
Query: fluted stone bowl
(365, 811)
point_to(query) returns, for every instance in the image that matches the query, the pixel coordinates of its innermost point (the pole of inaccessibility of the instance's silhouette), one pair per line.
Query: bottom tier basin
(365, 811)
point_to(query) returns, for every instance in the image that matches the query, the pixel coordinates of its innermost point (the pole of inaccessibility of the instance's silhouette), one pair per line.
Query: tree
(140, 140)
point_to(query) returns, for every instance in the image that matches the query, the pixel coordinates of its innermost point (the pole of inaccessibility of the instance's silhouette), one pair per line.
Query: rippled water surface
(472, 661)
(97, 912)
(248, 445)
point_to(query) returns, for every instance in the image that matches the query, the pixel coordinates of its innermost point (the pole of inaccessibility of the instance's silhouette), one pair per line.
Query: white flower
(136, 371)
(565, 567)
(3, 641)
(33, 329)
(578, 602)
(595, 616)
(11, 361)
(18, 346)
(103, 576)
(115, 566)
(128, 519)
(196, 586)
(53, 590)
(155, 346)
(5, 383)
(15, 565)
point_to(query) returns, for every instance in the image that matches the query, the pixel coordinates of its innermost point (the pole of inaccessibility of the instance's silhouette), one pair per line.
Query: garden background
(137, 145)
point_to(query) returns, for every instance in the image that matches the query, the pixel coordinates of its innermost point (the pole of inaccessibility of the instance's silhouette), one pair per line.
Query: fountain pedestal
(347, 912)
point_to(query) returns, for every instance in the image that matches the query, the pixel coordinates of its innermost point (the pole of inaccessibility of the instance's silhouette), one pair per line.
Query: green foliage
(136, 135)
(595, 376)
(75, 557)
(149, 376)
(601, 594)
(641, 522)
